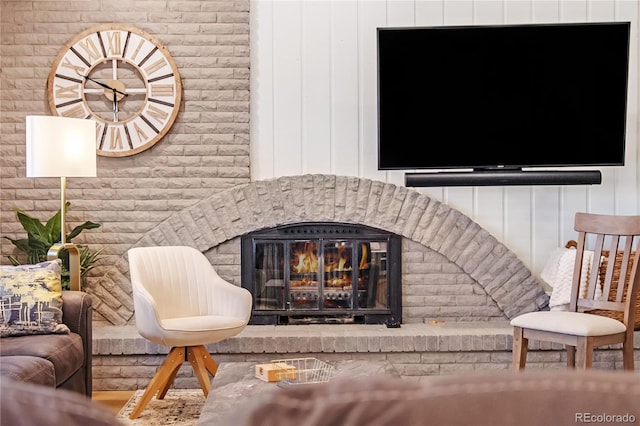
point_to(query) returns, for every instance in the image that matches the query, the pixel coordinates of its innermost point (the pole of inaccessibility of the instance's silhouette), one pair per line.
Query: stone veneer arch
(330, 198)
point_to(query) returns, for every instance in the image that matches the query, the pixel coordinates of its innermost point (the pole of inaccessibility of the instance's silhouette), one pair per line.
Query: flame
(305, 260)
(340, 262)
(363, 258)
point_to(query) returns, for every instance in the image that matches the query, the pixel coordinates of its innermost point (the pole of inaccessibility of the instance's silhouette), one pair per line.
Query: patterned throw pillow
(31, 299)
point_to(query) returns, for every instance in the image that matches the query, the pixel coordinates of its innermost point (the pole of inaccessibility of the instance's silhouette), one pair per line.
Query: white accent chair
(180, 301)
(576, 328)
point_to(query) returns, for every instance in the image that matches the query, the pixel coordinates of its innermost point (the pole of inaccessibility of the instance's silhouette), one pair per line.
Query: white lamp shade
(60, 146)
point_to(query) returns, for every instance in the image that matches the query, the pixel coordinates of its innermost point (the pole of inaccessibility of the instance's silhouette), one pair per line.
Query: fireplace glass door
(319, 277)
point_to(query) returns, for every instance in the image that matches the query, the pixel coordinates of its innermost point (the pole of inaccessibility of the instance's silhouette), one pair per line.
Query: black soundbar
(504, 178)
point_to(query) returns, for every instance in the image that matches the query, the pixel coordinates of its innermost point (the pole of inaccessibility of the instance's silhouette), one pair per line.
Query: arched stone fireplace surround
(464, 252)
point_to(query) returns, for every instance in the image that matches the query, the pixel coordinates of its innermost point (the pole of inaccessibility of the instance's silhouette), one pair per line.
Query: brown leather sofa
(55, 360)
(506, 398)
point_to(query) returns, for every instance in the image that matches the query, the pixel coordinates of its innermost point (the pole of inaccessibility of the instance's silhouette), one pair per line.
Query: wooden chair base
(201, 361)
(579, 348)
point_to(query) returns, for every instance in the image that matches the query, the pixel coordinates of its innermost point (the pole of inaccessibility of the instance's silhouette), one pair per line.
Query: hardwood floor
(114, 400)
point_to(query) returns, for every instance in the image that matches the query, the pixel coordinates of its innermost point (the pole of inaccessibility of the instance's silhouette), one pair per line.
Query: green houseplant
(40, 238)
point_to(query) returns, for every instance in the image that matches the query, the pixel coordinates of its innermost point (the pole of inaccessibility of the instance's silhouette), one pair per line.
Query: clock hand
(106, 86)
(115, 105)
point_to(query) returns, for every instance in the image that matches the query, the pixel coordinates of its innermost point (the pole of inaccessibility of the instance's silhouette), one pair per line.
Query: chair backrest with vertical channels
(178, 279)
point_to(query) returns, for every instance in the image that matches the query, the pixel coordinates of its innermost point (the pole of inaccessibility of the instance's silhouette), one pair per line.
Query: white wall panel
(287, 87)
(371, 15)
(518, 12)
(574, 10)
(602, 197)
(570, 202)
(458, 12)
(488, 12)
(546, 224)
(545, 10)
(601, 10)
(344, 89)
(429, 12)
(518, 226)
(400, 13)
(316, 87)
(489, 209)
(262, 95)
(314, 106)
(572, 199)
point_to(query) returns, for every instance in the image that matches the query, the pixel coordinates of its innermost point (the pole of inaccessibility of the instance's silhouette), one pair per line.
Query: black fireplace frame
(391, 316)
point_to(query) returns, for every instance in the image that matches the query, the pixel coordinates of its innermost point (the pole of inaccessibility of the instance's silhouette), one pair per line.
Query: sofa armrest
(77, 313)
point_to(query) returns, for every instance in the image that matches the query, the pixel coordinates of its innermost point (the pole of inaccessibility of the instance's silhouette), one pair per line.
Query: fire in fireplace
(323, 273)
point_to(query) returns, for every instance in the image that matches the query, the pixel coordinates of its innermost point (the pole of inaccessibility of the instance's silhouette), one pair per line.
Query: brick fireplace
(459, 284)
(453, 270)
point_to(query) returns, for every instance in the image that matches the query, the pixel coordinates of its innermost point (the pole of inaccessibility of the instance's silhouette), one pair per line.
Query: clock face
(124, 79)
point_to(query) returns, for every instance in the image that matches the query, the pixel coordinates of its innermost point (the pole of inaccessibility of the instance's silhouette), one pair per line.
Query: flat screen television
(502, 97)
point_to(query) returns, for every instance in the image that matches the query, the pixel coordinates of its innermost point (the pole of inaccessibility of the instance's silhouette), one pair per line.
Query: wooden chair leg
(162, 392)
(203, 365)
(520, 348)
(210, 364)
(627, 355)
(584, 353)
(571, 356)
(161, 380)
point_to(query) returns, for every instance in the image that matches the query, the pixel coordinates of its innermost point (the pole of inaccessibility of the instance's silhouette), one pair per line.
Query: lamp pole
(63, 205)
(72, 249)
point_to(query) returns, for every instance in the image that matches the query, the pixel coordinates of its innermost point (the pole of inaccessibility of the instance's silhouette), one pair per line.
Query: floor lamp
(62, 147)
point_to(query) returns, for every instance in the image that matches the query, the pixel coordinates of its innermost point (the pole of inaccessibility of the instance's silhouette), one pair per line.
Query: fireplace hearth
(323, 273)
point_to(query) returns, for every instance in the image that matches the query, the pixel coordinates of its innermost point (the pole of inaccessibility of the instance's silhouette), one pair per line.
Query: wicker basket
(304, 370)
(616, 280)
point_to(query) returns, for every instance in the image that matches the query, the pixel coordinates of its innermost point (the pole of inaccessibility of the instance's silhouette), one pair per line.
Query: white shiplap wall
(313, 106)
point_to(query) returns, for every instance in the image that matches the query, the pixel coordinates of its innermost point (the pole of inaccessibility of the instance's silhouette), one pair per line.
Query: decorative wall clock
(124, 79)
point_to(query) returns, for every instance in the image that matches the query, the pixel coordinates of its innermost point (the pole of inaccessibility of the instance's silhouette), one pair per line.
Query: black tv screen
(503, 96)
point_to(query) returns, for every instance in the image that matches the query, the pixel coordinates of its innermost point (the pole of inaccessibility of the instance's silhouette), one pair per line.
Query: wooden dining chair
(576, 328)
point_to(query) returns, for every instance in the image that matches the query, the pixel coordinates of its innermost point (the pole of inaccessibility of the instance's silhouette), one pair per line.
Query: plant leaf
(53, 227)
(78, 229)
(30, 224)
(88, 258)
(13, 260)
(22, 244)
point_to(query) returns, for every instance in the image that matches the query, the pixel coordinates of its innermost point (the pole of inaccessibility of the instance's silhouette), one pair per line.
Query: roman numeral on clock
(72, 91)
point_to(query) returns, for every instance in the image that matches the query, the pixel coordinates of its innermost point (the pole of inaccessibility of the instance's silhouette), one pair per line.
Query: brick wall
(206, 151)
